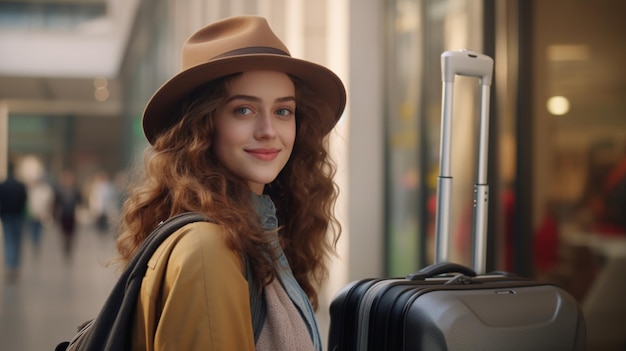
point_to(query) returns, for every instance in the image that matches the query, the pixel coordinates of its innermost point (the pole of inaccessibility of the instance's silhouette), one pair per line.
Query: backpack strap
(112, 328)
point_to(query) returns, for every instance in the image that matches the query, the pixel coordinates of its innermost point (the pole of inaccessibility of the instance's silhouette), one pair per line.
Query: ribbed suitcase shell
(487, 312)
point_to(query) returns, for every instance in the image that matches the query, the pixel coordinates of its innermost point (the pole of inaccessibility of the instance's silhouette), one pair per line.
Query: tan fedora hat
(233, 45)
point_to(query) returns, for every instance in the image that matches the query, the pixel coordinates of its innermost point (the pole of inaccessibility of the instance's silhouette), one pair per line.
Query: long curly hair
(181, 173)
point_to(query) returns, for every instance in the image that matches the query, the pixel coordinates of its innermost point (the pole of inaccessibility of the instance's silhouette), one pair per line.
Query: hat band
(253, 50)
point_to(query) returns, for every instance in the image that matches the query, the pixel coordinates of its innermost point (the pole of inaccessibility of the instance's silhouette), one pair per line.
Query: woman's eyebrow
(257, 99)
(286, 99)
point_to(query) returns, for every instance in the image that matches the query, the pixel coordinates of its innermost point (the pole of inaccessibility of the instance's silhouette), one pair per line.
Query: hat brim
(323, 82)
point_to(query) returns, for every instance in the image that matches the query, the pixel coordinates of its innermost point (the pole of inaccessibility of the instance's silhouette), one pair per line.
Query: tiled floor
(54, 295)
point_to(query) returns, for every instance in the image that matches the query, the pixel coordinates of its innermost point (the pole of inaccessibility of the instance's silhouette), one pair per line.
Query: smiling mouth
(263, 154)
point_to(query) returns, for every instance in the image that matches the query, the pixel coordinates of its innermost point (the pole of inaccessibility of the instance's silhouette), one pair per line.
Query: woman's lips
(263, 154)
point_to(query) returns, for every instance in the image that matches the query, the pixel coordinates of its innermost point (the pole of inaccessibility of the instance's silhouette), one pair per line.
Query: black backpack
(111, 329)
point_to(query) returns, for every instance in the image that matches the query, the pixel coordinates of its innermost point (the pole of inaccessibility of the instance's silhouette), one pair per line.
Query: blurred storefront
(558, 131)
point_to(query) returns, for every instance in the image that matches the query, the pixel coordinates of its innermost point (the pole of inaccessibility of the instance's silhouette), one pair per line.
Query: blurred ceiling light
(558, 105)
(568, 52)
(102, 92)
(100, 82)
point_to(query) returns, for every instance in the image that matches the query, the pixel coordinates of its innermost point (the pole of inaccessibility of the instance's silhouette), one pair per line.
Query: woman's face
(256, 126)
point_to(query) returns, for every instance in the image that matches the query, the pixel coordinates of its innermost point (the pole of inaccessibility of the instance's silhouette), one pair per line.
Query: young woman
(239, 135)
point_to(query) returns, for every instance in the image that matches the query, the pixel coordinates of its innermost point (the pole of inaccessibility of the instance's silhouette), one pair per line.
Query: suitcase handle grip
(466, 63)
(441, 268)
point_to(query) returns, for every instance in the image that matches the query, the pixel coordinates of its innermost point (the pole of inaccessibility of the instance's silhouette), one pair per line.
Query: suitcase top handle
(466, 63)
(441, 268)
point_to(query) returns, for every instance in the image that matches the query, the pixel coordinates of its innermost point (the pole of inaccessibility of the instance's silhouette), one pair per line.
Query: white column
(366, 138)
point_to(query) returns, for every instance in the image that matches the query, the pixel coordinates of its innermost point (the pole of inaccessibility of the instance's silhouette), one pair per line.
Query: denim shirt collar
(267, 211)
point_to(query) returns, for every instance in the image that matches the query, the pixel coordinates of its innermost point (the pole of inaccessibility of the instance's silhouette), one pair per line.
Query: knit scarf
(267, 211)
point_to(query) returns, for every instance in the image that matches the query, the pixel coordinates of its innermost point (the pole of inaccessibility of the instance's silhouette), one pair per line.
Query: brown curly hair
(181, 174)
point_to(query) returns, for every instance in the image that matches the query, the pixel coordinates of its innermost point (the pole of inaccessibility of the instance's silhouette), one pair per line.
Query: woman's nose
(265, 126)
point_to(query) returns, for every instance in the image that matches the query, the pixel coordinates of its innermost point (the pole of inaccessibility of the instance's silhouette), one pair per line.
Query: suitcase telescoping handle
(464, 63)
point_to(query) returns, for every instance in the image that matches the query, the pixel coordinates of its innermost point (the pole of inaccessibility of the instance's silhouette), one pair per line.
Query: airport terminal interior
(75, 75)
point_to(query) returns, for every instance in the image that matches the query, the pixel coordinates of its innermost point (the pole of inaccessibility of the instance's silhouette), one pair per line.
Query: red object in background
(546, 244)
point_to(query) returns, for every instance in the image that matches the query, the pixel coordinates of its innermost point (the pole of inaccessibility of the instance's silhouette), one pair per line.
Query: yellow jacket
(194, 295)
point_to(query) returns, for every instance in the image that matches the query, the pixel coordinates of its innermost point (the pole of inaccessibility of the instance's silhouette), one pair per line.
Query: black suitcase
(447, 306)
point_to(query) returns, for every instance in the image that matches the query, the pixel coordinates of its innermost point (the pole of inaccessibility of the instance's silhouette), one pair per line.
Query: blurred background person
(102, 201)
(602, 208)
(39, 209)
(12, 214)
(66, 200)
(611, 215)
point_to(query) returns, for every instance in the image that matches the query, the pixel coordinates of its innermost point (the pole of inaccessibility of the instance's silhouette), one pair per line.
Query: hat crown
(231, 37)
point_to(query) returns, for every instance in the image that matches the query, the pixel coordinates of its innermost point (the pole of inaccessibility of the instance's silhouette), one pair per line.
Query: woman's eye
(284, 112)
(243, 110)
